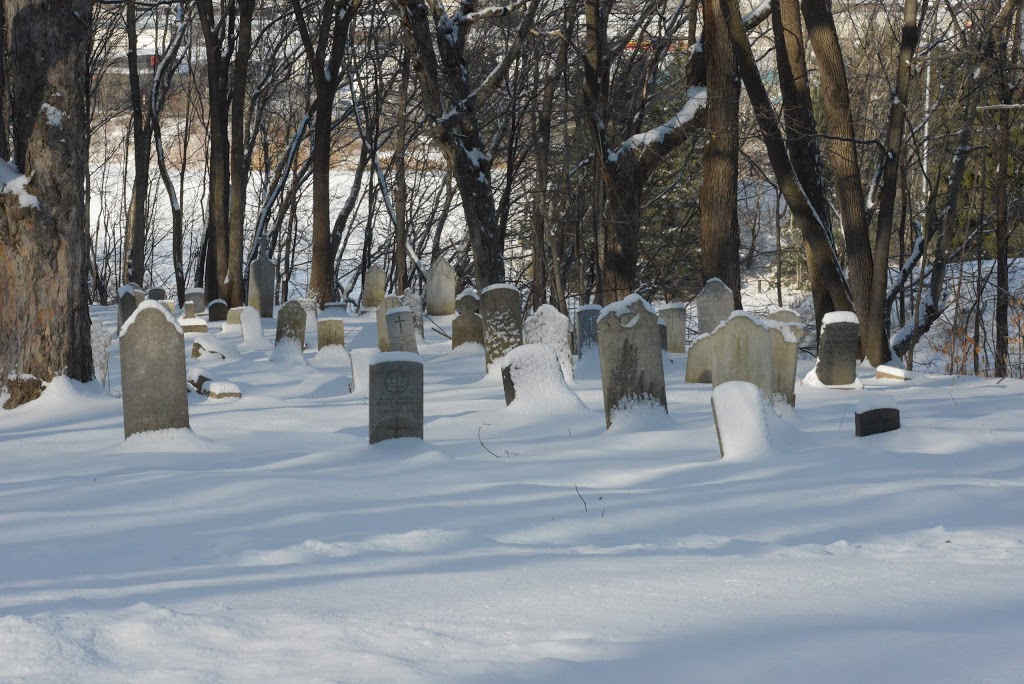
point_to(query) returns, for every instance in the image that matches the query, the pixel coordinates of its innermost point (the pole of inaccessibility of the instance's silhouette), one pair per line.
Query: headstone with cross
(401, 330)
(396, 396)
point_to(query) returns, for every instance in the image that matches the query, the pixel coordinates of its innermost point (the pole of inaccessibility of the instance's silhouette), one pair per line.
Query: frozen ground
(274, 544)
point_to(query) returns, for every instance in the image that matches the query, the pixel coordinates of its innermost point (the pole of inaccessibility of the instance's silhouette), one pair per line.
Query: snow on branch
(488, 13)
(697, 99)
(757, 15)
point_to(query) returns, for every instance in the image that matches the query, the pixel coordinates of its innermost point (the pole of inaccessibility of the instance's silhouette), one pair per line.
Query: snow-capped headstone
(532, 375)
(468, 301)
(373, 287)
(126, 304)
(785, 344)
(741, 420)
(837, 349)
(396, 396)
(261, 285)
(467, 326)
(153, 393)
(674, 316)
(388, 302)
(252, 328)
(234, 316)
(874, 416)
(189, 310)
(586, 328)
(218, 309)
(503, 320)
(632, 373)
(714, 304)
(330, 331)
(786, 316)
(222, 390)
(415, 304)
(699, 359)
(550, 326)
(441, 289)
(190, 323)
(157, 294)
(893, 373)
(197, 296)
(401, 330)
(291, 323)
(742, 350)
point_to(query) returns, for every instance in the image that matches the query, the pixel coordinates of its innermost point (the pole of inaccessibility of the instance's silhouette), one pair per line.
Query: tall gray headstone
(714, 304)
(156, 293)
(197, 296)
(153, 392)
(396, 397)
(373, 287)
(330, 330)
(441, 289)
(742, 350)
(401, 330)
(388, 302)
(503, 320)
(631, 363)
(837, 349)
(218, 310)
(126, 304)
(291, 323)
(586, 328)
(261, 285)
(674, 316)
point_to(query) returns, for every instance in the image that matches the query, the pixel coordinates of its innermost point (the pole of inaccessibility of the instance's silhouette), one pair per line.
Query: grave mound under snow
(216, 345)
(331, 356)
(288, 351)
(539, 382)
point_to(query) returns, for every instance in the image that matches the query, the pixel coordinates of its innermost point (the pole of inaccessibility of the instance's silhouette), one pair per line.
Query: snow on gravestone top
(785, 328)
(839, 317)
(145, 305)
(385, 357)
(624, 308)
(538, 381)
(549, 326)
(498, 286)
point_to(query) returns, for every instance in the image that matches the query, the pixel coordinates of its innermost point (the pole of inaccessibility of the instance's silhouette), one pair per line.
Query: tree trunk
(135, 237)
(43, 232)
(239, 159)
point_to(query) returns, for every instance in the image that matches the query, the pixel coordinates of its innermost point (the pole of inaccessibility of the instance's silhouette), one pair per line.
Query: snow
(195, 290)
(895, 372)
(15, 183)
(221, 387)
(271, 543)
(390, 357)
(742, 421)
(875, 400)
(839, 317)
(150, 304)
(624, 307)
(540, 385)
(498, 286)
(288, 352)
(54, 116)
(697, 99)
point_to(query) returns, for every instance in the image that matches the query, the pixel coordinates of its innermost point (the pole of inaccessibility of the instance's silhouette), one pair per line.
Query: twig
(843, 419)
(581, 498)
(953, 398)
(481, 440)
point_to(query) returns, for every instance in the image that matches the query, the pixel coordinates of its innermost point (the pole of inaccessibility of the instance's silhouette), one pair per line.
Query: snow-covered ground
(274, 544)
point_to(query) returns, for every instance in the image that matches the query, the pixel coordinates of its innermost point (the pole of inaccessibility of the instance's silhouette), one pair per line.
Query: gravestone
(335, 309)
(893, 373)
(468, 301)
(261, 285)
(373, 287)
(190, 323)
(388, 302)
(699, 360)
(837, 349)
(140, 295)
(532, 376)
(401, 330)
(632, 373)
(415, 304)
(312, 310)
(234, 316)
(674, 316)
(663, 335)
(222, 390)
(742, 350)
(586, 328)
(503, 321)
(467, 326)
(786, 316)
(714, 304)
(126, 304)
(291, 323)
(330, 330)
(550, 326)
(197, 296)
(252, 328)
(157, 294)
(190, 309)
(396, 396)
(441, 289)
(170, 305)
(100, 341)
(153, 392)
(742, 420)
(785, 343)
(218, 310)
(871, 419)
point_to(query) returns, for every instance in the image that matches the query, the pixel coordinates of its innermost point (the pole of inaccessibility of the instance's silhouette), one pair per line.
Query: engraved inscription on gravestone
(396, 397)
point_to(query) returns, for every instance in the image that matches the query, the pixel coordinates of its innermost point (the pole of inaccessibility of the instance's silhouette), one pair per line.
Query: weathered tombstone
(741, 420)
(218, 309)
(401, 330)
(503, 320)
(714, 304)
(312, 311)
(468, 301)
(674, 316)
(373, 287)
(837, 349)
(153, 392)
(291, 323)
(330, 330)
(532, 375)
(222, 390)
(156, 293)
(742, 350)
(190, 323)
(663, 335)
(441, 289)
(467, 327)
(415, 304)
(335, 309)
(234, 316)
(189, 310)
(786, 316)
(632, 373)
(586, 328)
(100, 341)
(893, 373)
(785, 343)
(550, 326)
(197, 296)
(140, 295)
(396, 396)
(261, 285)
(388, 302)
(170, 305)
(872, 417)
(126, 304)
(699, 359)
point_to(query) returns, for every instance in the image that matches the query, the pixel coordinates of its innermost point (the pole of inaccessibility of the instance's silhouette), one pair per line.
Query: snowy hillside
(512, 544)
